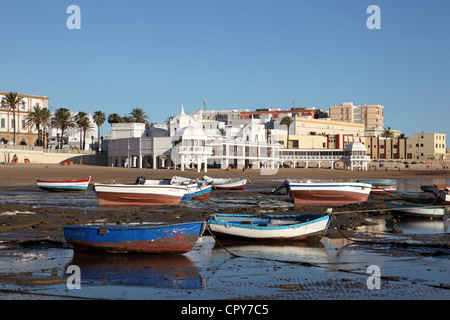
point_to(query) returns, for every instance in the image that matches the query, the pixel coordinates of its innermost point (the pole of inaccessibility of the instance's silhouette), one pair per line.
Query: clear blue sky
(249, 54)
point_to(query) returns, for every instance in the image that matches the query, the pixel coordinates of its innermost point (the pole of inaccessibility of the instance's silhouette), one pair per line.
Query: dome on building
(191, 132)
(355, 146)
(183, 119)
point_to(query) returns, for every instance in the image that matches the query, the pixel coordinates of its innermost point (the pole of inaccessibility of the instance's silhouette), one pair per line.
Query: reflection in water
(163, 271)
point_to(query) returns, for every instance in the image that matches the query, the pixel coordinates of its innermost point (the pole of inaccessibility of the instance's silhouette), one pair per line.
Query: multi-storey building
(24, 135)
(422, 146)
(371, 116)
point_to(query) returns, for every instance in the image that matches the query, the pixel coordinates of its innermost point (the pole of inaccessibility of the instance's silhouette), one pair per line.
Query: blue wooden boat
(268, 227)
(162, 238)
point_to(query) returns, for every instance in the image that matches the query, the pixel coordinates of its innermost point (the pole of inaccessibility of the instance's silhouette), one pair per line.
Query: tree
(80, 121)
(85, 126)
(99, 119)
(11, 101)
(138, 115)
(113, 118)
(46, 115)
(34, 119)
(387, 133)
(287, 121)
(63, 120)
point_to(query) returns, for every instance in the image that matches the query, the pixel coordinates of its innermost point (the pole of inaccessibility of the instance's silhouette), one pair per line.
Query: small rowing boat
(163, 238)
(444, 196)
(415, 210)
(381, 185)
(327, 193)
(227, 184)
(63, 185)
(142, 193)
(268, 227)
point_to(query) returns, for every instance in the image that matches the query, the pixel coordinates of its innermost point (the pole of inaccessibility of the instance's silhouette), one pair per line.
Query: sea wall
(28, 154)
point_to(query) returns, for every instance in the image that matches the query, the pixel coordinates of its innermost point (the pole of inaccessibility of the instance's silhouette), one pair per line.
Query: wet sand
(25, 225)
(25, 175)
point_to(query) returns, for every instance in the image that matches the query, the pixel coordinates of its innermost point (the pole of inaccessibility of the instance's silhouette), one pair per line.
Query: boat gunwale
(320, 218)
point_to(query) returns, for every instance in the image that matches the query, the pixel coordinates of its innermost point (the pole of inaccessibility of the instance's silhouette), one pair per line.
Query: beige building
(370, 115)
(422, 146)
(27, 136)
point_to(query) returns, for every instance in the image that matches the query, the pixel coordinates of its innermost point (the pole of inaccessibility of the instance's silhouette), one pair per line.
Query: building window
(2, 123)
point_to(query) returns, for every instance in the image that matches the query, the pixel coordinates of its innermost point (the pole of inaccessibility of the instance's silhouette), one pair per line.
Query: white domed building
(190, 148)
(355, 156)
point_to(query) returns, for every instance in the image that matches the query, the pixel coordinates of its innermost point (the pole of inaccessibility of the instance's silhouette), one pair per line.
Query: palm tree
(387, 133)
(80, 120)
(63, 119)
(113, 118)
(11, 101)
(99, 119)
(287, 121)
(138, 115)
(45, 116)
(34, 119)
(268, 134)
(85, 126)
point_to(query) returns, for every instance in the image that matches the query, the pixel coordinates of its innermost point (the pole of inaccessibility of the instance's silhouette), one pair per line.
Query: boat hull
(334, 194)
(246, 229)
(381, 185)
(63, 185)
(139, 195)
(444, 197)
(197, 192)
(176, 238)
(418, 211)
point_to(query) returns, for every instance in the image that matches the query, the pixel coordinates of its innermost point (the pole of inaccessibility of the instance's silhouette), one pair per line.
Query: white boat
(64, 185)
(227, 184)
(381, 185)
(327, 193)
(195, 189)
(415, 210)
(268, 227)
(149, 193)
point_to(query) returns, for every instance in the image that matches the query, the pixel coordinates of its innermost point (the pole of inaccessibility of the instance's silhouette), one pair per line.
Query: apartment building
(371, 116)
(24, 135)
(422, 146)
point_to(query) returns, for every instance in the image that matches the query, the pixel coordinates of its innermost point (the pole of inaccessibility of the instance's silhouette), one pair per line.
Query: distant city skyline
(158, 55)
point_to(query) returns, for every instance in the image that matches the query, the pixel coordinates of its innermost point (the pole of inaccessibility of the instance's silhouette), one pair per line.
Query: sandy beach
(21, 176)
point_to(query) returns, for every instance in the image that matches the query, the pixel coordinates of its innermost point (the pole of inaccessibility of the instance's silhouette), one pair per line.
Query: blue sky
(158, 55)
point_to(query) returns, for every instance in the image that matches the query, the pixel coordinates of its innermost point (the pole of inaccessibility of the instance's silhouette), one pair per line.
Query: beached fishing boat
(381, 185)
(227, 184)
(162, 238)
(415, 210)
(438, 187)
(444, 196)
(148, 193)
(195, 189)
(268, 227)
(63, 185)
(327, 193)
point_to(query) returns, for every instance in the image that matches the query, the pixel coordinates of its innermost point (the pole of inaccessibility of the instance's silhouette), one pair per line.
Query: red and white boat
(438, 187)
(151, 193)
(444, 195)
(327, 193)
(63, 185)
(227, 184)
